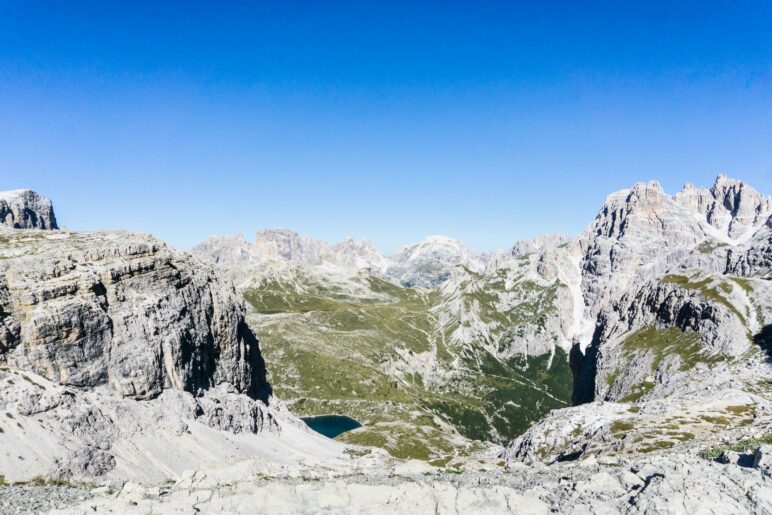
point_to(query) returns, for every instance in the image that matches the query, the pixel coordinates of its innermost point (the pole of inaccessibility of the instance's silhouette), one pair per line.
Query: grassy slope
(333, 352)
(662, 342)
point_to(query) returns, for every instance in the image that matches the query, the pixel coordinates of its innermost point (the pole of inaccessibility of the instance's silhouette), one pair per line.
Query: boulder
(762, 459)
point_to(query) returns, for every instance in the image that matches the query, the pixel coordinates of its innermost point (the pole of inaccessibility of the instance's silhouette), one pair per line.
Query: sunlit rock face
(122, 309)
(25, 209)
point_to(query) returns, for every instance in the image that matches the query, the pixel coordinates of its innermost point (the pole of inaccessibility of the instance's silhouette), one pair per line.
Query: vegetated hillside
(680, 362)
(437, 346)
(425, 371)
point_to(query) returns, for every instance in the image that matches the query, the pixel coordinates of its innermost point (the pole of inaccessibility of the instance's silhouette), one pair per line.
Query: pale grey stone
(25, 209)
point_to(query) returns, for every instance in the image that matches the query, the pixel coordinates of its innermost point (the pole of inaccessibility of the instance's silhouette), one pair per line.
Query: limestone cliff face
(656, 332)
(754, 259)
(642, 233)
(653, 264)
(637, 233)
(125, 310)
(669, 304)
(111, 343)
(25, 209)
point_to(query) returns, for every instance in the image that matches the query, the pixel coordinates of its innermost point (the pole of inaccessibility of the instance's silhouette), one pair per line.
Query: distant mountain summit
(731, 207)
(426, 264)
(429, 262)
(277, 250)
(25, 209)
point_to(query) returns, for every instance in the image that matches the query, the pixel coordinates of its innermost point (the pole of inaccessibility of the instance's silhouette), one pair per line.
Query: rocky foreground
(657, 484)
(707, 450)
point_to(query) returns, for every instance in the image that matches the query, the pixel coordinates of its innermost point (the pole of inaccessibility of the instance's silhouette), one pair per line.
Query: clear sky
(486, 121)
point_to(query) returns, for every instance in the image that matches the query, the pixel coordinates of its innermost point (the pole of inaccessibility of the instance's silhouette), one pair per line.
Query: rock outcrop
(25, 209)
(122, 309)
(665, 326)
(540, 243)
(637, 234)
(753, 259)
(48, 430)
(762, 459)
(112, 346)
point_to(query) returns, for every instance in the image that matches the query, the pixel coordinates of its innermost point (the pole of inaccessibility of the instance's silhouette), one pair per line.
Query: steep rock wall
(122, 309)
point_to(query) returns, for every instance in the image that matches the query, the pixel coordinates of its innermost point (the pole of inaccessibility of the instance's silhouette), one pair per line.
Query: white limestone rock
(762, 459)
(563, 433)
(643, 232)
(652, 260)
(61, 432)
(637, 234)
(753, 259)
(117, 308)
(730, 206)
(278, 251)
(25, 209)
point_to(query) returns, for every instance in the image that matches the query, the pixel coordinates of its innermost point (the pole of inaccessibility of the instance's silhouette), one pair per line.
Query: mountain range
(627, 369)
(477, 346)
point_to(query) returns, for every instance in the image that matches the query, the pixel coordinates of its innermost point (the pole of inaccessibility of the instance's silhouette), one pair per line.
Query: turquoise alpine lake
(331, 425)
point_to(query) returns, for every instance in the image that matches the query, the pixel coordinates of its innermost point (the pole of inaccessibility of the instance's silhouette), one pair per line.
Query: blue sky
(486, 121)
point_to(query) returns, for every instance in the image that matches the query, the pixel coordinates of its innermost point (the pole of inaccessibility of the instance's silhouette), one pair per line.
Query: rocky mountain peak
(25, 209)
(540, 243)
(731, 209)
(723, 183)
(358, 255)
(428, 263)
(643, 231)
(287, 245)
(441, 247)
(650, 188)
(645, 205)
